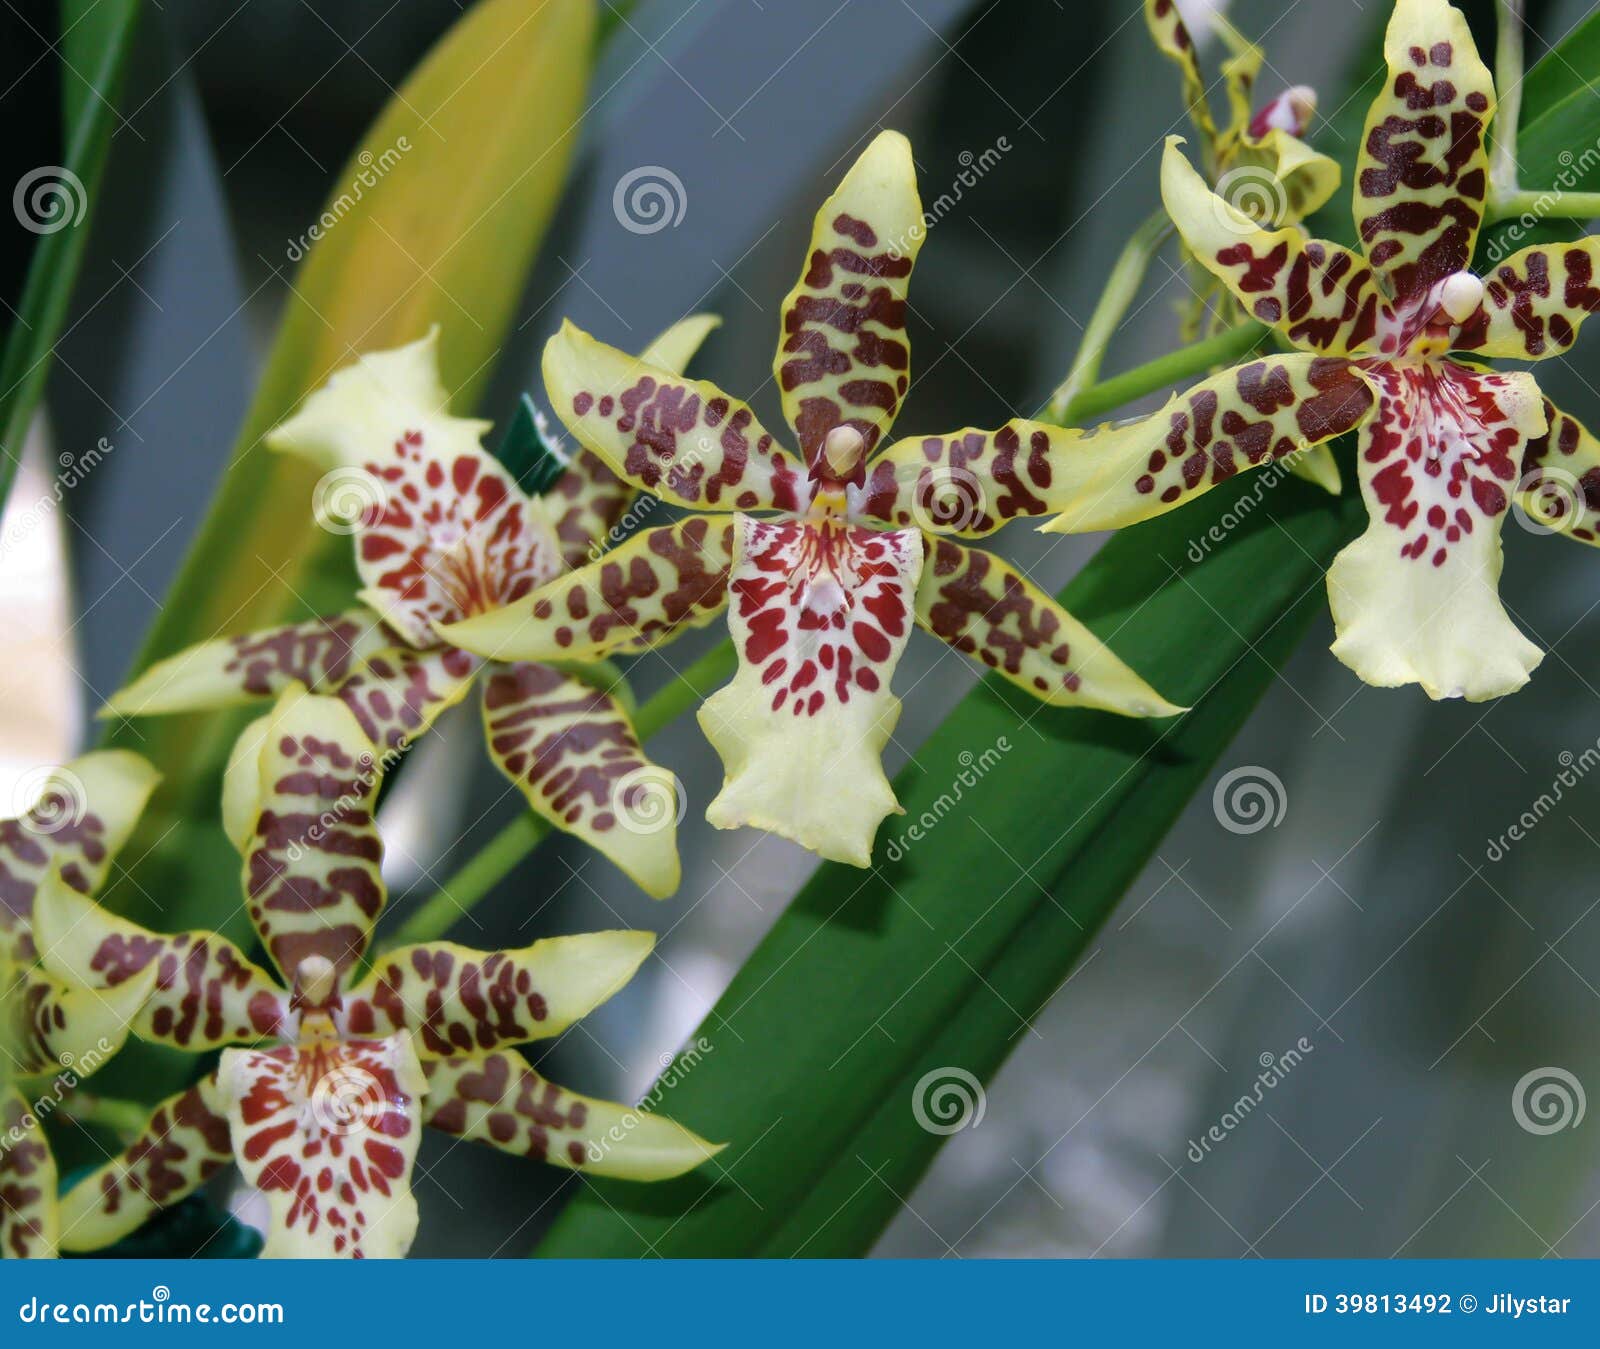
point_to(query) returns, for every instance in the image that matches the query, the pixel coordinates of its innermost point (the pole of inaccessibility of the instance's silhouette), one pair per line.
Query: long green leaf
(97, 36)
(868, 982)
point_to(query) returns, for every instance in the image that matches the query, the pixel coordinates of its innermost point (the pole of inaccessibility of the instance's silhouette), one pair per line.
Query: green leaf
(527, 452)
(94, 47)
(870, 980)
(435, 220)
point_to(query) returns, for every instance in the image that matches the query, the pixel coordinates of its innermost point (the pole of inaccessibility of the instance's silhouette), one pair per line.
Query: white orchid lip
(1460, 294)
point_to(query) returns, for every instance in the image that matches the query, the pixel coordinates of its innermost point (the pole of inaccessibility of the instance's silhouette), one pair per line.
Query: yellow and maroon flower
(443, 532)
(855, 549)
(1446, 445)
(53, 1030)
(331, 1074)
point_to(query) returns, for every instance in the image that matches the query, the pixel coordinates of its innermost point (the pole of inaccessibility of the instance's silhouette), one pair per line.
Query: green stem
(1178, 365)
(493, 862)
(1508, 89)
(1127, 275)
(1551, 204)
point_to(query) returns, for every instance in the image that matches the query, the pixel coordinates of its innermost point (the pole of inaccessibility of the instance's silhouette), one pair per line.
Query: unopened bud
(1290, 111)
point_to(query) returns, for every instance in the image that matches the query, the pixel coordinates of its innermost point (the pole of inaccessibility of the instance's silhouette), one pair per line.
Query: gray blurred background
(1427, 979)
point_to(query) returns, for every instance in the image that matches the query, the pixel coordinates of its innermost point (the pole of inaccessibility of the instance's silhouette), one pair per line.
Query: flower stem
(1193, 359)
(492, 862)
(1127, 275)
(1551, 204)
(1508, 90)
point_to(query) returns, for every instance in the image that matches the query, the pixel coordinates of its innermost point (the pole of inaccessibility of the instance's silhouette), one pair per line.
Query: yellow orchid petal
(312, 852)
(1415, 599)
(193, 991)
(1534, 302)
(572, 751)
(658, 585)
(399, 692)
(682, 440)
(67, 1025)
(1243, 418)
(969, 482)
(318, 653)
(1560, 486)
(988, 610)
(1281, 176)
(497, 1099)
(328, 1132)
(1171, 35)
(1422, 168)
(458, 1001)
(30, 1221)
(843, 357)
(674, 348)
(184, 1143)
(819, 613)
(1324, 298)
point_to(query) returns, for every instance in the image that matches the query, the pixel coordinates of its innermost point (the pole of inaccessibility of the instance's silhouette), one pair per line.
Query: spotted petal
(194, 991)
(683, 440)
(843, 356)
(83, 813)
(1534, 302)
(312, 852)
(184, 1143)
(1324, 298)
(989, 611)
(328, 1132)
(459, 1001)
(499, 1100)
(1415, 599)
(318, 653)
(30, 1224)
(1560, 484)
(587, 504)
(1422, 168)
(441, 528)
(1171, 35)
(572, 751)
(969, 482)
(658, 585)
(55, 1025)
(1243, 418)
(820, 612)
(399, 692)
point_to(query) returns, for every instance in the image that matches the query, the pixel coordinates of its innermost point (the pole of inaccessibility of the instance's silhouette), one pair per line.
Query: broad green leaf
(866, 983)
(94, 46)
(435, 220)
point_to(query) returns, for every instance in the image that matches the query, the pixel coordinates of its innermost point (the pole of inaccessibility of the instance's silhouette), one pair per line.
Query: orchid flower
(443, 532)
(334, 1073)
(1446, 446)
(51, 1028)
(854, 546)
